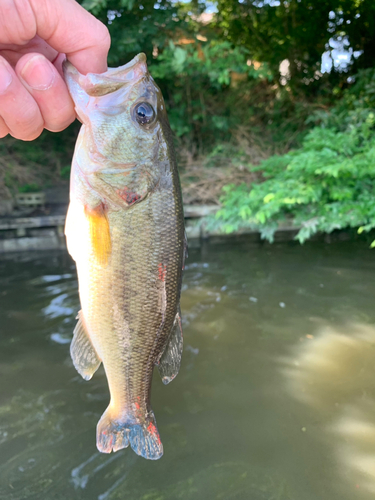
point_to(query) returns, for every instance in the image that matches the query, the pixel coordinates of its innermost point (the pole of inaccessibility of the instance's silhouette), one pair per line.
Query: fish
(125, 231)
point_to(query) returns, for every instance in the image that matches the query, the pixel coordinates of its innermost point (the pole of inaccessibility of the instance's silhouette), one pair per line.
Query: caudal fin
(113, 434)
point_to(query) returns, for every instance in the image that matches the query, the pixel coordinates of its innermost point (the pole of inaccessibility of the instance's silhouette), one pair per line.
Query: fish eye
(144, 113)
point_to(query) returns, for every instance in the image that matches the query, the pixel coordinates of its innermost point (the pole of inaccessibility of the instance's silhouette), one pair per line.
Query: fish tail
(115, 433)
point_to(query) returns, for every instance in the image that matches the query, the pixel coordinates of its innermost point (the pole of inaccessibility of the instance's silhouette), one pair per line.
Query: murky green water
(275, 399)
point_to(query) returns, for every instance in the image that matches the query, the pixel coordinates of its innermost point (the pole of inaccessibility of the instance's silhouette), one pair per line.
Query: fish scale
(125, 230)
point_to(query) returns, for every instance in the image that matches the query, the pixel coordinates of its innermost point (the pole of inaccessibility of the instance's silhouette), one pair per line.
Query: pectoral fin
(84, 356)
(170, 360)
(100, 235)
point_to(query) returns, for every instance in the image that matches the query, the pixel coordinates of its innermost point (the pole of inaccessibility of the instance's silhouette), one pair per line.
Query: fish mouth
(113, 79)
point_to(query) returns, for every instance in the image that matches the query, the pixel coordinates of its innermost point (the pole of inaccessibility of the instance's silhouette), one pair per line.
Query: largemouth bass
(125, 230)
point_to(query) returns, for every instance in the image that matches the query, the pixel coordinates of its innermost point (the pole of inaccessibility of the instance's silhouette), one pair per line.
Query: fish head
(125, 126)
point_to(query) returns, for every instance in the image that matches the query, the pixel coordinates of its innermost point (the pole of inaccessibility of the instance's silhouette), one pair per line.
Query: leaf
(269, 197)
(327, 184)
(94, 5)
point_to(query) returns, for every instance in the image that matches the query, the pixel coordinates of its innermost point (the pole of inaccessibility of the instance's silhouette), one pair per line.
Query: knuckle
(28, 120)
(23, 27)
(4, 130)
(58, 127)
(103, 37)
(35, 135)
(27, 136)
(27, 129)
(61, 118)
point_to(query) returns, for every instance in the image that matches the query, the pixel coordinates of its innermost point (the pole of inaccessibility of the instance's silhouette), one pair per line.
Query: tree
(299, 31)
(135, 27)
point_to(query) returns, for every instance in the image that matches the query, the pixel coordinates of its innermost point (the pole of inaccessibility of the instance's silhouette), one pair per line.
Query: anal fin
(169, 363)
(85, 359)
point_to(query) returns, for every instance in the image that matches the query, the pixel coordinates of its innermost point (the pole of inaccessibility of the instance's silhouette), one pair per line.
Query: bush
(325, 185)
(197, 80)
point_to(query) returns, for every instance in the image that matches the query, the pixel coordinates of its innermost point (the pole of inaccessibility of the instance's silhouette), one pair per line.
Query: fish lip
(139, 59)
(73, 79)
(113, 78)
(70, 72)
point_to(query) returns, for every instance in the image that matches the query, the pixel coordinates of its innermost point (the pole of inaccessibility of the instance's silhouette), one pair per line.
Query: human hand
(35, 35)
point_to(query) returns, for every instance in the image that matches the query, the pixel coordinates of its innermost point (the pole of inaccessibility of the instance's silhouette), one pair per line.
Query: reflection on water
(275, 399)
(333, 372)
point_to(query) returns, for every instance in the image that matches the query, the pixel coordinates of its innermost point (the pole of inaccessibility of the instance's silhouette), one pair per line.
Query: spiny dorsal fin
(83, 354)
(100, 234)
(170, 360)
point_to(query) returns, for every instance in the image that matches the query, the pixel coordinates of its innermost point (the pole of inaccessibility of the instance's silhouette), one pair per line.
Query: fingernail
(5, 77)
(37, 73)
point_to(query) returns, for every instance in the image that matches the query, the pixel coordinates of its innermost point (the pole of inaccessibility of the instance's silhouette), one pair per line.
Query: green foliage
(210, 87)
(137, 26)
(197, 82)
(222, 76)
(300, 31)
(206, 97)
(327, 184)
(40, 163)
(29, 188)
(353, 108)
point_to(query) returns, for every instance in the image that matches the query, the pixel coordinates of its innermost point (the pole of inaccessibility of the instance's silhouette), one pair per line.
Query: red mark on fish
(128, 196)
(153, 430)
(162, 271)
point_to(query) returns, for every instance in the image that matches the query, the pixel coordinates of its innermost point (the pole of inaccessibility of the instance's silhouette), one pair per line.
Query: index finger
(63, 24)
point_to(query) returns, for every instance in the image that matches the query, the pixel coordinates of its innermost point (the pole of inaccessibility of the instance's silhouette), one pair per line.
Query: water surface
(275, 399)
